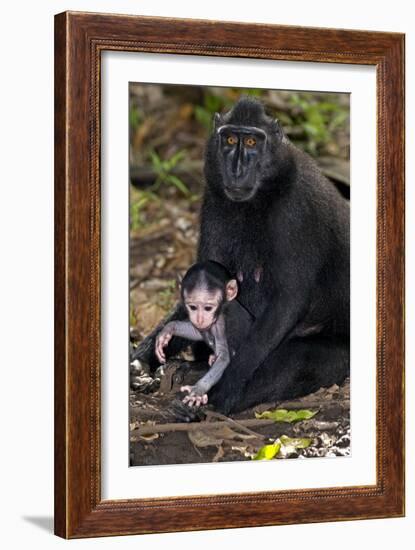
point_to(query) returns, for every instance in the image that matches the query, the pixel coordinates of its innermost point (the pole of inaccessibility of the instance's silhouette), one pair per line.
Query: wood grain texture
(60, 412)
(79, 40)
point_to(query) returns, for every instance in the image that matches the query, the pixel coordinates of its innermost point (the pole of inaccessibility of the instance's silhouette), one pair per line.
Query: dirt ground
(157, 438)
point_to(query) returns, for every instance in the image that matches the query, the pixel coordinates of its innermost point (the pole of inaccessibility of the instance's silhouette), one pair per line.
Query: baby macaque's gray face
(202, 307)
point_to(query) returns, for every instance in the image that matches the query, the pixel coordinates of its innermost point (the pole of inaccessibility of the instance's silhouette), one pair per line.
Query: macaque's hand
(162, 340)
(195, 397)
(212, 359)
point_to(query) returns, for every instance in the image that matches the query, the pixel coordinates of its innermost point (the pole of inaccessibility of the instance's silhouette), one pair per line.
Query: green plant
(214, 103)
(253, 92)
(211, 104)
(141, 198)
(163, 170)
(138, 201)
(135, 117)
(133, 316)
(318, 119)
(166, 297)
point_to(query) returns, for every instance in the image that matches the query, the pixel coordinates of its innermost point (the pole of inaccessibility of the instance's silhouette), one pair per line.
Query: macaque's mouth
(239, 193)
(205, 327)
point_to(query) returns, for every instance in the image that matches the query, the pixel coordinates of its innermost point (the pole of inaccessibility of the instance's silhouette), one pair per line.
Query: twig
(146, 175)
(241, 424)
(236, 423)
(193, 426)
(311, 404)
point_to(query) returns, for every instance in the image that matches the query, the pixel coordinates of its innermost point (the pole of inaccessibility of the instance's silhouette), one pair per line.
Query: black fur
(285, 235)
(211, 274)
(296, 230)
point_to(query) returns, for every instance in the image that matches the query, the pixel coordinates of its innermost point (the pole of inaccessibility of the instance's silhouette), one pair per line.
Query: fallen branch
(311, 404)
(241, 424)
(142, 176)
(236, 423)
(192, 426)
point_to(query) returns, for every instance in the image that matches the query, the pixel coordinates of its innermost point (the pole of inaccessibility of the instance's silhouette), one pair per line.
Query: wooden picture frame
(79, 40)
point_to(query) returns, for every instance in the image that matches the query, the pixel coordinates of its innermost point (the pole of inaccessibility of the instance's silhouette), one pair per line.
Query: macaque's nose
(238, 162)
(199, 318)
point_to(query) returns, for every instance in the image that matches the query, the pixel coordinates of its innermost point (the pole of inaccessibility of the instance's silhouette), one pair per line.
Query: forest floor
(157, 438)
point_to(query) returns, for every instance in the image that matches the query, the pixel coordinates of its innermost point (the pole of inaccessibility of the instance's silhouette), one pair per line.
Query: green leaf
(293, 443)
(140, 203)
(267, 452)
(135, 117)
(213, 103)
(177, 182)
(255, 92)
(282, 447)
(151, 196)
(282, 415)
(173, 161)
(156, 160)
(328, 106)
(203, 116)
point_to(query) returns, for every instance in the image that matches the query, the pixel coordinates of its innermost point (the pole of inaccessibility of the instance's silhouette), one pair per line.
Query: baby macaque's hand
(161, 342)
(212, 359)
(195, 398)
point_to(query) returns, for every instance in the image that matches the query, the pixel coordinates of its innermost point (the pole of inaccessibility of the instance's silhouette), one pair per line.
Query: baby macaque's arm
(221, 361)
(184, 329)
(215, 372)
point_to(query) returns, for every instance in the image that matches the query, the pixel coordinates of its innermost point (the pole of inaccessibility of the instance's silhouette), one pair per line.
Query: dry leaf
(216, 436)
(149, 437)
(220, 453)
(201, 438)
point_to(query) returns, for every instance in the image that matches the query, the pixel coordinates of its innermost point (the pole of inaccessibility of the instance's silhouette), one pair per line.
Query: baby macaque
(206, 289)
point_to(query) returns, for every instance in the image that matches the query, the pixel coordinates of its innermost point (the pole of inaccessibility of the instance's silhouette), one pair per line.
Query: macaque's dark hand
(196, 397)
(184, 413)
(162, 341)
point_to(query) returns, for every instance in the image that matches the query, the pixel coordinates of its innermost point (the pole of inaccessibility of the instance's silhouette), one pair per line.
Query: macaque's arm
(183, 329)
(221, 362)
(146, 349)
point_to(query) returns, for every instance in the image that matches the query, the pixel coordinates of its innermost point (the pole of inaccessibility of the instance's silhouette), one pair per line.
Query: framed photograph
(169, 129)
(229, 275)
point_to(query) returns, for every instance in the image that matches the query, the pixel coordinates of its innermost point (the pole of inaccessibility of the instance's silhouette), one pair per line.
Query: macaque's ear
(231, 290)
(217, 121)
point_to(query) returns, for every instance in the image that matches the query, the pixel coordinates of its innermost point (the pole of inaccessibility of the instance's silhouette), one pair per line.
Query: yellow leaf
(267, 452)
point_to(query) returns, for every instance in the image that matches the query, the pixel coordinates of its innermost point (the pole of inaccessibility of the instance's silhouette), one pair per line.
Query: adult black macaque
(273, 219)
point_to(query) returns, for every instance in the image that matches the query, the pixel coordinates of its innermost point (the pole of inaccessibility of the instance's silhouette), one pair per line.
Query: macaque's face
(202, 307)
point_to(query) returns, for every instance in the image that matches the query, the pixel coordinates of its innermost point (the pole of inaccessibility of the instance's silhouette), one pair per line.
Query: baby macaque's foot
(194, 399)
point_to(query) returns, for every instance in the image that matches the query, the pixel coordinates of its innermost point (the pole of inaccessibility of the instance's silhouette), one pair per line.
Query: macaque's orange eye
(250, 142)
(231, 140)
